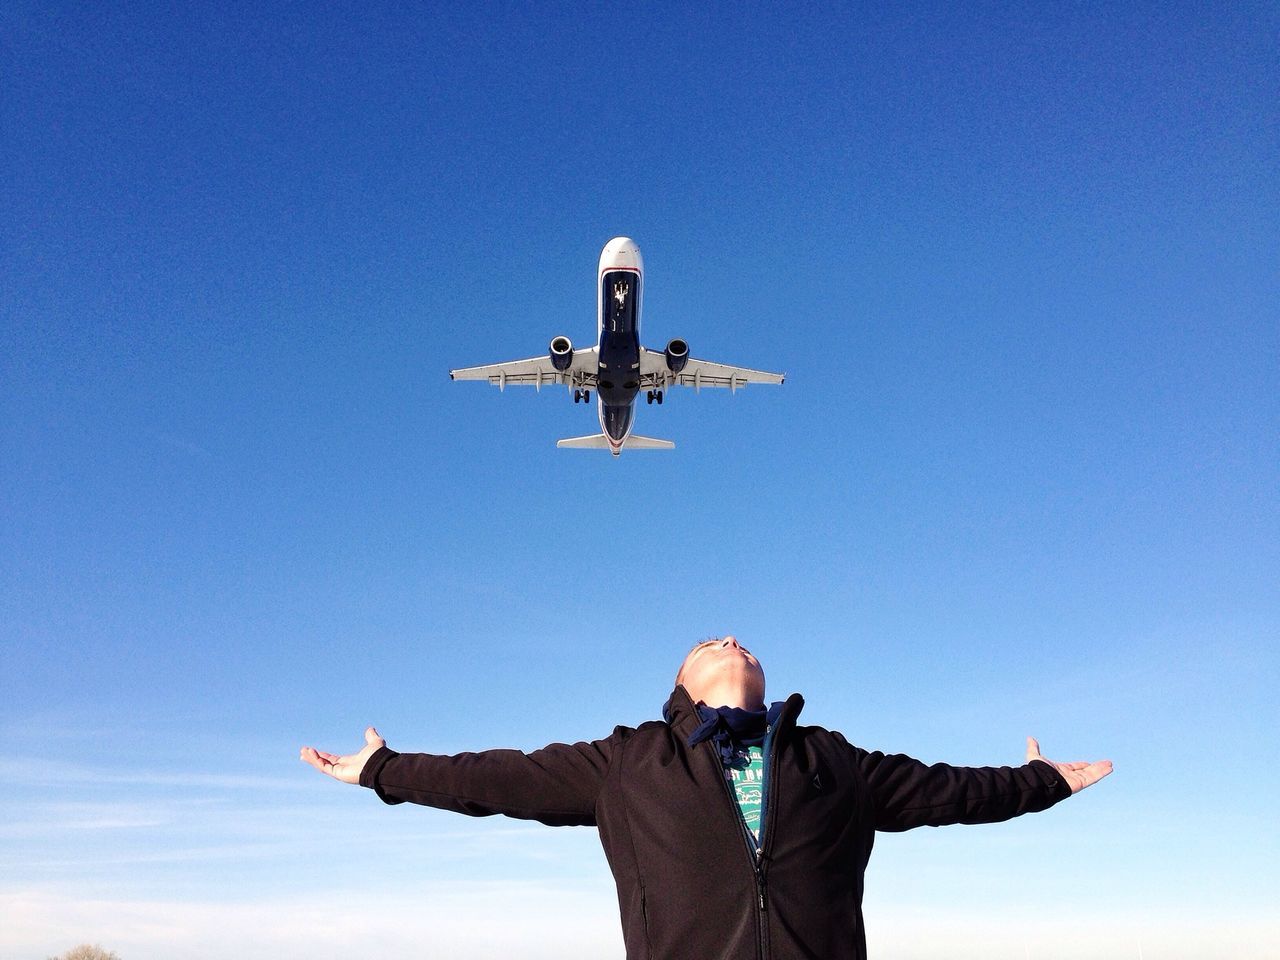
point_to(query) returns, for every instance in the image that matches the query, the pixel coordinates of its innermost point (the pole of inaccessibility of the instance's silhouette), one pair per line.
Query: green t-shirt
(747, 779)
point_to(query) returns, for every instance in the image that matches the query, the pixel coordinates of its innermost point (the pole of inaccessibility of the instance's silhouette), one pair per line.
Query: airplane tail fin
(597, 441)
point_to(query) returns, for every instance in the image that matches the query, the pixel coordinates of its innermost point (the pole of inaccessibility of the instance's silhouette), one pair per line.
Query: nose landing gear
(653, 395)
(581, 396)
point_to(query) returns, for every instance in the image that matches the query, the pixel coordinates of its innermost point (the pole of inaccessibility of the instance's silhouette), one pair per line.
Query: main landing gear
(581, 396)
(653, 395)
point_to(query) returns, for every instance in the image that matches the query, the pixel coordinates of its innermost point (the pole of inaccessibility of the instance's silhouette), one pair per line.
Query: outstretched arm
(907, 793)
(347, 769)
(556, 785)
(1078, 775)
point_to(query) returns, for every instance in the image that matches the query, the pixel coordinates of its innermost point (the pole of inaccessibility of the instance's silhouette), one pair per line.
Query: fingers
(1078, 774)
(346, 769)
(1081, 775)
(318, 760)
(1091, 773)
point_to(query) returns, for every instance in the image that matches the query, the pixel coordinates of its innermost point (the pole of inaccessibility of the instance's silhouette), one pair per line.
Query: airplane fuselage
(619, 300)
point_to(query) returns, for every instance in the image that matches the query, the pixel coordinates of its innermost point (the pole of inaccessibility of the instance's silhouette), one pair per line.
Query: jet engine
(561, 351)
(677, 355)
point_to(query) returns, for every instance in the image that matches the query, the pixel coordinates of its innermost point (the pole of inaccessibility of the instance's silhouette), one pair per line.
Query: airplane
(617, 368)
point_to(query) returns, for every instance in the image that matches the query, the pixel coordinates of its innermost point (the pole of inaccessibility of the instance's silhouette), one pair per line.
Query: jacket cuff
(1059, 788)
(369, 776)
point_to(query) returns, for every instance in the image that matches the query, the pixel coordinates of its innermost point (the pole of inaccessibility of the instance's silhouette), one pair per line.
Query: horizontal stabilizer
(647, 443)
(597, 441)
(585, 443)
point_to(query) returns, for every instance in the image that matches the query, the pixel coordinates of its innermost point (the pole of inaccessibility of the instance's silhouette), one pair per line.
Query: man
(730, 830)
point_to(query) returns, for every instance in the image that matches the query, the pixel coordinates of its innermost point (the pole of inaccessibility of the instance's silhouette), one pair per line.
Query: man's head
(722, 673)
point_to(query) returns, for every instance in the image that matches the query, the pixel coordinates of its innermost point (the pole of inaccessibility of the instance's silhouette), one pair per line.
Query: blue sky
(1019, 266)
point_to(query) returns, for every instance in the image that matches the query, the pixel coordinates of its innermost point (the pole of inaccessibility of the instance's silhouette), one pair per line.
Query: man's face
(715, 667)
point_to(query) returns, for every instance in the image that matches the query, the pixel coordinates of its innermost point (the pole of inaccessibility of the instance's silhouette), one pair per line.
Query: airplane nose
(621, 252)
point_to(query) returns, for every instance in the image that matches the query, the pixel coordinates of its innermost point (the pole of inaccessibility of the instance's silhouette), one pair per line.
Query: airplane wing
(654, 374)
(535, 372)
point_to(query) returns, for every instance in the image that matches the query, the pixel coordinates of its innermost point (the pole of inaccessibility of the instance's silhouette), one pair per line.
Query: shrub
(87, 951)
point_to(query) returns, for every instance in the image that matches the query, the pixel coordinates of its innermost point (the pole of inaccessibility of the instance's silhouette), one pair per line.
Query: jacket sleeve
(557, 785)
(906, 793)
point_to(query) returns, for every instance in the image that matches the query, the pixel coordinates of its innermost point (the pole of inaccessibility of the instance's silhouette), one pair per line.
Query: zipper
(755, 854)
(766, 828)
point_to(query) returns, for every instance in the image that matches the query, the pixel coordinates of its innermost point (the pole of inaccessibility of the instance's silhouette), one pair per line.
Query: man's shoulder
(813, 730)
(649, 728)
(646, 736)
(822, 737)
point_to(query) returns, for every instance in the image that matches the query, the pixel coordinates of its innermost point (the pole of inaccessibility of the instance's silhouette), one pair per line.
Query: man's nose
(730, 642)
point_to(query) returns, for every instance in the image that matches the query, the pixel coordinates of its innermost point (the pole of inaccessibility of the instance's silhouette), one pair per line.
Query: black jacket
(689, 885)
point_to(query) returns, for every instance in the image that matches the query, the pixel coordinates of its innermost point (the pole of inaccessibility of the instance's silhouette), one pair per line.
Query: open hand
(1078, 775)
(347, 769)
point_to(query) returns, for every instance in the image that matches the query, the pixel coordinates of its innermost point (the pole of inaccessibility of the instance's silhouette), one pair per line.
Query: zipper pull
(760, 890)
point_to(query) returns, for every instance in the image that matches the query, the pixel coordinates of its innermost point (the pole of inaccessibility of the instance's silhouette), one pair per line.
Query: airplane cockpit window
(616, 315)
(619, 294)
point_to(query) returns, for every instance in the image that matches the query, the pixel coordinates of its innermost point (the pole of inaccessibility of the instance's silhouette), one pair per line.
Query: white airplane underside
(617, 368)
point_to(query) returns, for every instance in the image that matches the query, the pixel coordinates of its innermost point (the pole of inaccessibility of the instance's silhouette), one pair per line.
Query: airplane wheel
(648, 397)
(586, 396)
(658, 394)
(577, 396)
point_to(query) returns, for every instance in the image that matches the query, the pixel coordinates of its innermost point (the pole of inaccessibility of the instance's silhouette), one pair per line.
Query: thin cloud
(50, 773)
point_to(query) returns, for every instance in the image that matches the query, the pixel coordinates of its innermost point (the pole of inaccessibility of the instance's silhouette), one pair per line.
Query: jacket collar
(682, 715)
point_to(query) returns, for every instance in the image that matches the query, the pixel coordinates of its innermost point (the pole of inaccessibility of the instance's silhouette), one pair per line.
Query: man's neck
(722, 697)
